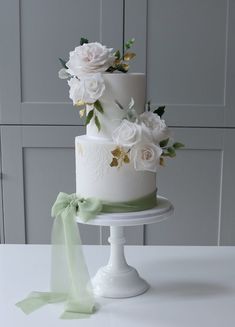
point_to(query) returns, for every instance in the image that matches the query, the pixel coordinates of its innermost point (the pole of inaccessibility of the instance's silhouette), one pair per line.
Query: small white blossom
(156, 125)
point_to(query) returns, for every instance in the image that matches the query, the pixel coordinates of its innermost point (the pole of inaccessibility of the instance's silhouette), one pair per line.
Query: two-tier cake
(126, 140)
(94, 175)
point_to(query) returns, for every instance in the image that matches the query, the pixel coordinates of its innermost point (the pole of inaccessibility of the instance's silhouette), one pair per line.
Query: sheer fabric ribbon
(70, 280)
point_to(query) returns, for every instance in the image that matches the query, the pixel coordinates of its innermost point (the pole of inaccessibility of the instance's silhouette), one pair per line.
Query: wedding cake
(126, 140)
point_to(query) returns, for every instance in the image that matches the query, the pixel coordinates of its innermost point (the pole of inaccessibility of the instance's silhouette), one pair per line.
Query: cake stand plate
(118, 279)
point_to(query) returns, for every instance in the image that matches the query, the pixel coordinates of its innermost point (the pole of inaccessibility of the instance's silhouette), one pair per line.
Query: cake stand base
(118, 279)
(127, 284)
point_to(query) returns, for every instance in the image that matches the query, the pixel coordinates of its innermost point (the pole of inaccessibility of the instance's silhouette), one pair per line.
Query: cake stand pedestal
(118, 279)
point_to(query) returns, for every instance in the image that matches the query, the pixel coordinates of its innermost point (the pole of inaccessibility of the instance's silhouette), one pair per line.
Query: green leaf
(171, 152)
(149, 105)
(165, 154)
(164, 143)
(83, 40)
(129, 43)
(97, 122)
(117, 54)
(63, 63)
(98, 106)
(119, 104)
(89, 117)
(178, 145)
(121, 68)
(111, 69)
(160, 111)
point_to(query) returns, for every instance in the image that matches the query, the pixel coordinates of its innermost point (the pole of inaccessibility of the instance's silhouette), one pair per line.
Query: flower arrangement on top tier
(84, 68)
(145, 138)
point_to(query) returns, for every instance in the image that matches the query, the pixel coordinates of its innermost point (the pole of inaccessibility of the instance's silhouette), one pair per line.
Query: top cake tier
(121, 88)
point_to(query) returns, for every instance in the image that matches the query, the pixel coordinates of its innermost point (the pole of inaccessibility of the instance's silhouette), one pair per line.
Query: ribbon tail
(69, 270)
(70, 280)
(36, 300)
(31, 303)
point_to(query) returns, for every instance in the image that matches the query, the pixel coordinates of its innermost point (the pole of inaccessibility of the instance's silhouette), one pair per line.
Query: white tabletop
(190, 287)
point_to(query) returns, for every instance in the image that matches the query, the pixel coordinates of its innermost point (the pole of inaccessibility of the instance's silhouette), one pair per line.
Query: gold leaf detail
(82, 112)
(114, 162)
(117, 62)
(80, 103)
(162, 161)
(126, 159)
(129, 55)
(117, 152)
(125, 67)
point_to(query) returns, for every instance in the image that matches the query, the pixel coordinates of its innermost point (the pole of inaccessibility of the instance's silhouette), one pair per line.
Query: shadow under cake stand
(118, 279)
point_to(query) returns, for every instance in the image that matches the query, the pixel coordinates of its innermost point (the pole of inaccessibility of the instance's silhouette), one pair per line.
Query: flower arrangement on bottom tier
(144, 138)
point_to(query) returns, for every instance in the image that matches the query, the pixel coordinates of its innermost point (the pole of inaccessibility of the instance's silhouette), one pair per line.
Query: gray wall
(187, 50)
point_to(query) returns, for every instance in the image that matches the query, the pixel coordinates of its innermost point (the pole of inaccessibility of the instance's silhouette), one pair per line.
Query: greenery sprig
(121, 62)
(63, 63)
(83, 40)
(170, 151)
(92, 114)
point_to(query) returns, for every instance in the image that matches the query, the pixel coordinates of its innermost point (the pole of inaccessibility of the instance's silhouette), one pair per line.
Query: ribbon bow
(70, 205)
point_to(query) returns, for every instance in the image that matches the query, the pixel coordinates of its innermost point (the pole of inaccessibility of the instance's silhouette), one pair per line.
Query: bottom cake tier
(96, 178)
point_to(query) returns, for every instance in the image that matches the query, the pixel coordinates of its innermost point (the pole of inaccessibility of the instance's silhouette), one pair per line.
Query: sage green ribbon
(146, 202)
(70, 281)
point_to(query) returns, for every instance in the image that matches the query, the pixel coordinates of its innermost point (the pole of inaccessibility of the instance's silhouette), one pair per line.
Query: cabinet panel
(38, 163)
(1, 211)
(227, 226)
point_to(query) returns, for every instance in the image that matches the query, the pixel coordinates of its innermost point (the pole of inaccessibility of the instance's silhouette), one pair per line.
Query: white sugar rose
(156, 125)
(89, 88)
(146, 156)
(90, 58)
(127, 133)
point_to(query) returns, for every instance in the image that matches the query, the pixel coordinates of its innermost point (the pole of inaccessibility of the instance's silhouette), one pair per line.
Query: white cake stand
(118, 279)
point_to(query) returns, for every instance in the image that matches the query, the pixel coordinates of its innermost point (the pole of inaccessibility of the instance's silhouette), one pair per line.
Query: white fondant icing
(121, 87)
(95, 177)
